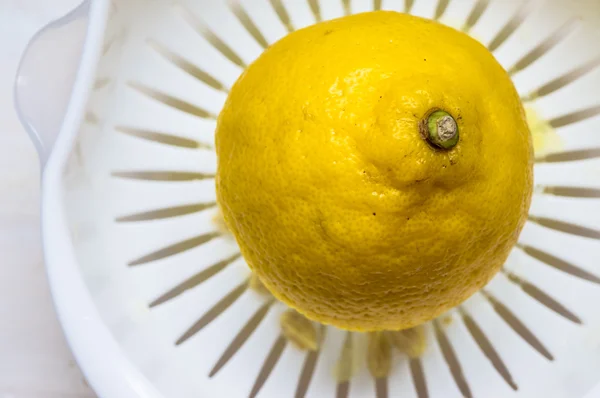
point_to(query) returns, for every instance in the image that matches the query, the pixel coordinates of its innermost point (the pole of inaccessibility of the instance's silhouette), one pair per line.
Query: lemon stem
(439, 128)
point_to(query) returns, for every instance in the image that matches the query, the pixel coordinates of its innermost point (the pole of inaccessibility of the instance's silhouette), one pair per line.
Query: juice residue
(545, 138)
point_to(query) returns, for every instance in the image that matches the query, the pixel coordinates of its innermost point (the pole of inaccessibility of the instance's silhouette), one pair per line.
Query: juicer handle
(46, 75)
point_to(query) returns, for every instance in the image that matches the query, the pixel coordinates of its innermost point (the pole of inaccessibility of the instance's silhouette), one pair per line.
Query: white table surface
(35, 361)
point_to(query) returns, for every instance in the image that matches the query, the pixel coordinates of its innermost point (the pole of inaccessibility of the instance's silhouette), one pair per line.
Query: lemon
(375, 170)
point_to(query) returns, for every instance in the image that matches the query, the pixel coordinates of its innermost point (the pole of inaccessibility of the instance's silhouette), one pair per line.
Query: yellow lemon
(376, 169)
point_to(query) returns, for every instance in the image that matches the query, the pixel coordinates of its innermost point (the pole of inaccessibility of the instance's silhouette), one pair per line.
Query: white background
(35, 361)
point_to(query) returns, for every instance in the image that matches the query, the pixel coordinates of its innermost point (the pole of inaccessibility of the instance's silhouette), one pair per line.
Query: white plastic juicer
(153, 296)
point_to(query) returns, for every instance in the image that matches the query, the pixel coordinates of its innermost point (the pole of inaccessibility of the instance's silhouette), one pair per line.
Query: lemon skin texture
(338, 204)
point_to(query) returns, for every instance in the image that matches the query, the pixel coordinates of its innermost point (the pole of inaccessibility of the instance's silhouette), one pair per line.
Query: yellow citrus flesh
(338, 204)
